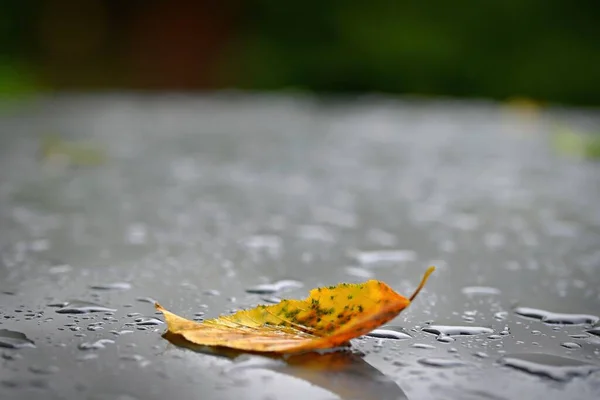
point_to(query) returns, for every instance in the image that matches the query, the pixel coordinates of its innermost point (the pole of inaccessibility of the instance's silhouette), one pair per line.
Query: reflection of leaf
(329, 317)
(345, 374)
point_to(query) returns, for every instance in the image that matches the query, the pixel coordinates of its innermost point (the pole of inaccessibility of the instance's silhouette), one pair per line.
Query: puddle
(389, 332)
(554, 367)
(14, 340)
(455, 330)
(80, 307)
(549, 317)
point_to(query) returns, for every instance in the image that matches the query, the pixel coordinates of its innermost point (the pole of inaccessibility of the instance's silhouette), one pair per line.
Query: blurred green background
(545, 50)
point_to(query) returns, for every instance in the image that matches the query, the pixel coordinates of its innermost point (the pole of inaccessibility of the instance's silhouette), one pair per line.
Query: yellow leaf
(329, 317)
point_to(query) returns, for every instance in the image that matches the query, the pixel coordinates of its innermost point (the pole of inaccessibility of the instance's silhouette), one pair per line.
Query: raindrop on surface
(82, 307)
(14, 340)
(133, 314)
(94, 328)
(441, 362)
(270, 288)
(270, 299)
(142, 362)
(557, 318)
(119, 333)
(594, 331)
(494, 337)
(501, 315)
(60, 269)
(389, 332)
(480, 290)
(453, 330)
(554, 367)
(422, 346)
(445, 338)
(270, 243)
(579, 336)
(112, 286)
(9, 356)
(211, 292)
(536, 332)
(146, 300)
(144, 321)
(359, 272)
(87, 357)
(99, 344)
(385, 257)
(51, 369)
(571, 345)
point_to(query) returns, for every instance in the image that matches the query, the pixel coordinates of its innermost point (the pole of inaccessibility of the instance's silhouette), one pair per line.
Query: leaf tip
(428, 272)
(158, 306)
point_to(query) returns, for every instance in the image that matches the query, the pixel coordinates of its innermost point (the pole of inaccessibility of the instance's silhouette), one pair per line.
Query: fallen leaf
(329, 317)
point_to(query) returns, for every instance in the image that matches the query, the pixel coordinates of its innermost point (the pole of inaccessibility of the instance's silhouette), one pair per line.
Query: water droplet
(441, 362)
(453, 330)
(87, 357)
(146, 300)
(270, 288)
(571, 345)
(389, 332)
(494, 337)
(99, 344)
(94, 328)
(594, 331)
(501, 315)
(14, 339)
(60, 269)
(112, 286)
(550, 366)
(359, 272)
(122, 332)
(445, 338)
(372, 258)
(270, 243)
(142, 362)
(422, 346)
(144, 321)
(11, 356)
(536, 332)
(271, 299)
(557, 318)
(211, 292)
(579, 336)
(48, 370)
(480, 290)
(81, 307)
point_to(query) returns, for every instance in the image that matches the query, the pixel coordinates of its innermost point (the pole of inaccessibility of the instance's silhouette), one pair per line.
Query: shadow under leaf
(343, 373)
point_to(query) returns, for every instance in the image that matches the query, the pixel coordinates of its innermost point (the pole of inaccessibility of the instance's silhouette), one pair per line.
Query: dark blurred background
(544, 50)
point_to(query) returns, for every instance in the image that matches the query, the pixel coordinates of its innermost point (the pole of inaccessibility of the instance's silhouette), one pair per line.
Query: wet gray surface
(202, 198)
